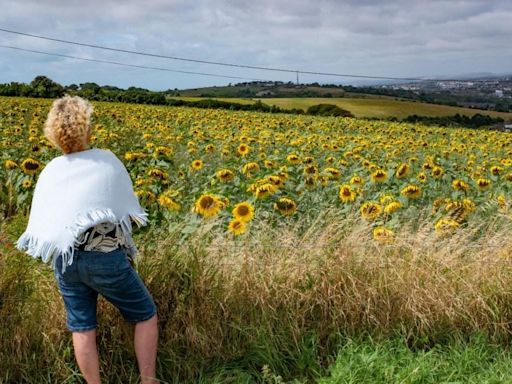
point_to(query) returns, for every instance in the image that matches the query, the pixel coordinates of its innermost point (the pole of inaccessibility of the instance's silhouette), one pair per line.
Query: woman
(80, 220)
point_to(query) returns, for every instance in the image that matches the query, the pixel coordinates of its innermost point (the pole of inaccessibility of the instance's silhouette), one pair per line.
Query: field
(275, 242)
(368, 106)
(382, 107)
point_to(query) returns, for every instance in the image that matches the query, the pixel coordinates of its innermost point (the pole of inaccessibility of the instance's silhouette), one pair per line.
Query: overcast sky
(384, 38)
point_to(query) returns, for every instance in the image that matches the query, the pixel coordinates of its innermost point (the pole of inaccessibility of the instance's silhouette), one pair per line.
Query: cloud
(394, 38)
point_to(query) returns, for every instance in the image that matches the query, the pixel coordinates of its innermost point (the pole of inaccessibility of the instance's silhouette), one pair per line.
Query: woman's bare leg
(86, 355)
(146, 341)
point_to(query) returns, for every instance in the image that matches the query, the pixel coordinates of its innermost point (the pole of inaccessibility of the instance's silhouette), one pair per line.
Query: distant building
(503, 127)
(264, 93)
(498, 93)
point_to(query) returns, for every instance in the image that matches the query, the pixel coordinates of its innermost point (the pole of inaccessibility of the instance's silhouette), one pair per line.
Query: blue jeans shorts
(109, 274)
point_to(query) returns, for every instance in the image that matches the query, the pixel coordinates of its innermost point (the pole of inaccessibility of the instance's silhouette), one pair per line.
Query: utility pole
(297, 78)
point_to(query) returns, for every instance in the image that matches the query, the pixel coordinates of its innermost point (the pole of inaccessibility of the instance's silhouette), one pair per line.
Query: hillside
(368, 106)
(383, 107)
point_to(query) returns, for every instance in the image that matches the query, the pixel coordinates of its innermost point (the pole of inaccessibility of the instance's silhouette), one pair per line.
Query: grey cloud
(396, 38)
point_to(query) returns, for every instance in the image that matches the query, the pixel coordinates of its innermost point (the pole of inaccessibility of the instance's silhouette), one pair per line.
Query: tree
(43, 86)
(328, 110)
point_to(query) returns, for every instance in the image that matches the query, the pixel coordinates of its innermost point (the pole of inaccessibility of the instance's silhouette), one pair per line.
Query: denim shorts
(109, 274)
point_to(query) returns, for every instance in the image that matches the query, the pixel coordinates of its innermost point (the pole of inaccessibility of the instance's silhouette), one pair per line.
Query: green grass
(392, 361)
(381, 107)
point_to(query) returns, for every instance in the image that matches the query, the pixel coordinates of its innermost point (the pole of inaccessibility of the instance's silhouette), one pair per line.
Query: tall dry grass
(283, 296)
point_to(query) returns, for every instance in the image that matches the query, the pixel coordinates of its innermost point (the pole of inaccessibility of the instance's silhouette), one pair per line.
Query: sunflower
(332, 173)
(422, 177)
(310, 181)
(402, 171)
(383, 235)
(437, 172)
(469, 205)
(496, 170)
(225, 152)
(27, 183)
(293, 158)
(411, 191)
(197, 164)
(346, 194)
(208, 205)
(502, 201)
(250, 168)
(30, 166)
(286, 206)
(225, 175)
(460, 185)
(370, 210)
(145, 195)
(209, 148)
(237, 227)
(444, 226)
(162, 151)
(283, 175)
(386, 198)
(379, 176)
(457, 210)
(269, 164)
(243, 211)
(358, 180)
(392, 207)
(311, 170)
(134, 155)
(158, 174)
(343, 162)
(276, 180)
(264, 190)
(243, 149)
(166, 201)
(9, 164)
(308, 160)
(483, 184)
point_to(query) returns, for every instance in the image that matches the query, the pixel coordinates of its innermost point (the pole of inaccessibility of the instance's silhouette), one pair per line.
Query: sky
(401, 38)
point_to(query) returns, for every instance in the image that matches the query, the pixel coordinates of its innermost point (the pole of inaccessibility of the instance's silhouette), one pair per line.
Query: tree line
(44, 87)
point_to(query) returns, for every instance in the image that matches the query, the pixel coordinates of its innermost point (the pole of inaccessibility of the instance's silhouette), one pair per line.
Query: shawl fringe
(49, 251)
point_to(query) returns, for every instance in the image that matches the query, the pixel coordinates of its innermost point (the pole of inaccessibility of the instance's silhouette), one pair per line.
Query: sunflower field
(196, 164)
(300, 232)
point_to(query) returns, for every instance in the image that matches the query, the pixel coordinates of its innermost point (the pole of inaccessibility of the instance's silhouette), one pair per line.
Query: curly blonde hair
(68, 124)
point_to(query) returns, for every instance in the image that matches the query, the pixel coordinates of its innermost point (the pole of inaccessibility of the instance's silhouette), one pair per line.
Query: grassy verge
(283, 300)
(476, 360)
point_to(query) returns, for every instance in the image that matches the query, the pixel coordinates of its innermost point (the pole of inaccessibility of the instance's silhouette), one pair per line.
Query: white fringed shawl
(75, 192)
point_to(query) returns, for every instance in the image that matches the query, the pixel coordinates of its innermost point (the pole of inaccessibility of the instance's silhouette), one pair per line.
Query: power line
(128, 65)
(228, 64)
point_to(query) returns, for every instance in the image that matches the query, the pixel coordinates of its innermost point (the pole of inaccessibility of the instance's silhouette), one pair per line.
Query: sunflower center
(206, 202)
(31, 165)
(243, 210)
